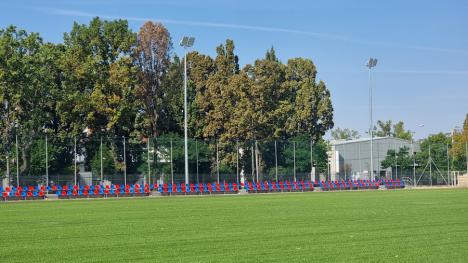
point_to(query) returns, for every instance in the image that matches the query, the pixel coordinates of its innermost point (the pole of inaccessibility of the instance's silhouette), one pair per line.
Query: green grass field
(390, 226)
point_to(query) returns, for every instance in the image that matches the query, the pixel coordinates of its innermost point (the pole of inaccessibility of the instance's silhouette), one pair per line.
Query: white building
(351, 158)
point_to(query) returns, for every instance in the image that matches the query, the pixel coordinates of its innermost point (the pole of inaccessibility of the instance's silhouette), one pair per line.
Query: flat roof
(340, 142)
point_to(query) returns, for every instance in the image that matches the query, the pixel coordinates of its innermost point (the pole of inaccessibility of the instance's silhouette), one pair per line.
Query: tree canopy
(105, 80)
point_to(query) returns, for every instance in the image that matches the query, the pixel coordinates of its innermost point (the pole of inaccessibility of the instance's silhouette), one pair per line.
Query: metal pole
(185, 119)
(312, 161)
(294, 160)
(125, 160)
(237, 160)
(217, 161)
(396, 165)
(172, 165)
(466, 157)
(448, 166)
(276, 162)
(17, 163)
(8, 168)
(253, 164)
(371, 132)
(148, 157)
(47, 162)
(196, 153)
(414, 163)
(74, 150)
(430, 165)
(102, 171)
(257, 164)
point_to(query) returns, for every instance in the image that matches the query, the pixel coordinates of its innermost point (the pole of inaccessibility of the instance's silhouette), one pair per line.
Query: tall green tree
(344, 134)
(152, 58)
(459, 149)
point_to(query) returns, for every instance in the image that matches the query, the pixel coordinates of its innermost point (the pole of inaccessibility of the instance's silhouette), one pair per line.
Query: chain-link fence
(94, 160)
(50, 160)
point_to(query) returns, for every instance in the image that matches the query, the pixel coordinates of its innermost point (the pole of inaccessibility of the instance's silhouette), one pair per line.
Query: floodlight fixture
(187, 42)
(371, 63)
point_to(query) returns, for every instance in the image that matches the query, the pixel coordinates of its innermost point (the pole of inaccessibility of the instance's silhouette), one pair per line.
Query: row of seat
(349, 185)
(199, 188)
(286, 186)
(394, 184)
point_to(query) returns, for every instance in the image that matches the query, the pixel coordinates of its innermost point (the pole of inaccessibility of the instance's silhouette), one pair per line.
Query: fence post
(294, 159)
(196, 156)
(74, 151)
(217, 160)
(47, 161)
(148, 157)
(276, 162)
(102, 170)
(125, 160)
(312, 175)
(172, 165)
(17, 163)
(237, 161)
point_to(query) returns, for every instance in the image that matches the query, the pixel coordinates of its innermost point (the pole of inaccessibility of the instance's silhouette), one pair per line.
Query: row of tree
(382, 129)
(439, 152)
(105, 80)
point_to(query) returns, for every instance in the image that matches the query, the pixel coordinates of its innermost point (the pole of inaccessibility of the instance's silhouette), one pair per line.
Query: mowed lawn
(377, 226)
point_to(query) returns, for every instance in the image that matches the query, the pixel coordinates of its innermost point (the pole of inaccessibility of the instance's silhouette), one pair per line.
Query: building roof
(340, 142)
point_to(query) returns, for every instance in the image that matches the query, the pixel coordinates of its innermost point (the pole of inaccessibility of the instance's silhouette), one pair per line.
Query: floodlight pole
(186, 43)
(372, 63)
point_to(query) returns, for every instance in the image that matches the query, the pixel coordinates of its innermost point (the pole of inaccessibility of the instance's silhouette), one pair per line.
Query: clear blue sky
(422, 46)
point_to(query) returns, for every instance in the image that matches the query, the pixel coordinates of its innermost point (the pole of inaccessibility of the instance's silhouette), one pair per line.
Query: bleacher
(393, 184)
(23, 193)
(198, 188)
(130, 190)
(286, 186)
(348, 185)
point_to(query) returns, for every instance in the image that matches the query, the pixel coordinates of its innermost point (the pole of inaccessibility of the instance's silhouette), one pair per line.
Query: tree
(401, 160)
(29, 84)
(434, 146)
(400, 132)
(152, 59)
(386, 129)
(344, 134)
(310, 109)
(458, 151)
(99, 80)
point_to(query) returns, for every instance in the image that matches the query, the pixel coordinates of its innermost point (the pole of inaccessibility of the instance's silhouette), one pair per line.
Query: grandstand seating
(393, 184)
(348, 185)
(198, 188)
(271, 186)
(116, 190)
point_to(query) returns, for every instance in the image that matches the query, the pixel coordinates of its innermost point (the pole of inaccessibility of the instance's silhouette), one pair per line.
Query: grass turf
(390, 226)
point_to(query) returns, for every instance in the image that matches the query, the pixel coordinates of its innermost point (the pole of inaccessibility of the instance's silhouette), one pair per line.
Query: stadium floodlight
(372, 62)
(186, 42)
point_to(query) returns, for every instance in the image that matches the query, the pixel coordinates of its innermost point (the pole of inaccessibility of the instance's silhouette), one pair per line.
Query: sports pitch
(376, 226)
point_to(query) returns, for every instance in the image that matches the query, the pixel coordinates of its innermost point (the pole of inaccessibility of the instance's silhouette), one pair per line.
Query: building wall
(351, 159)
